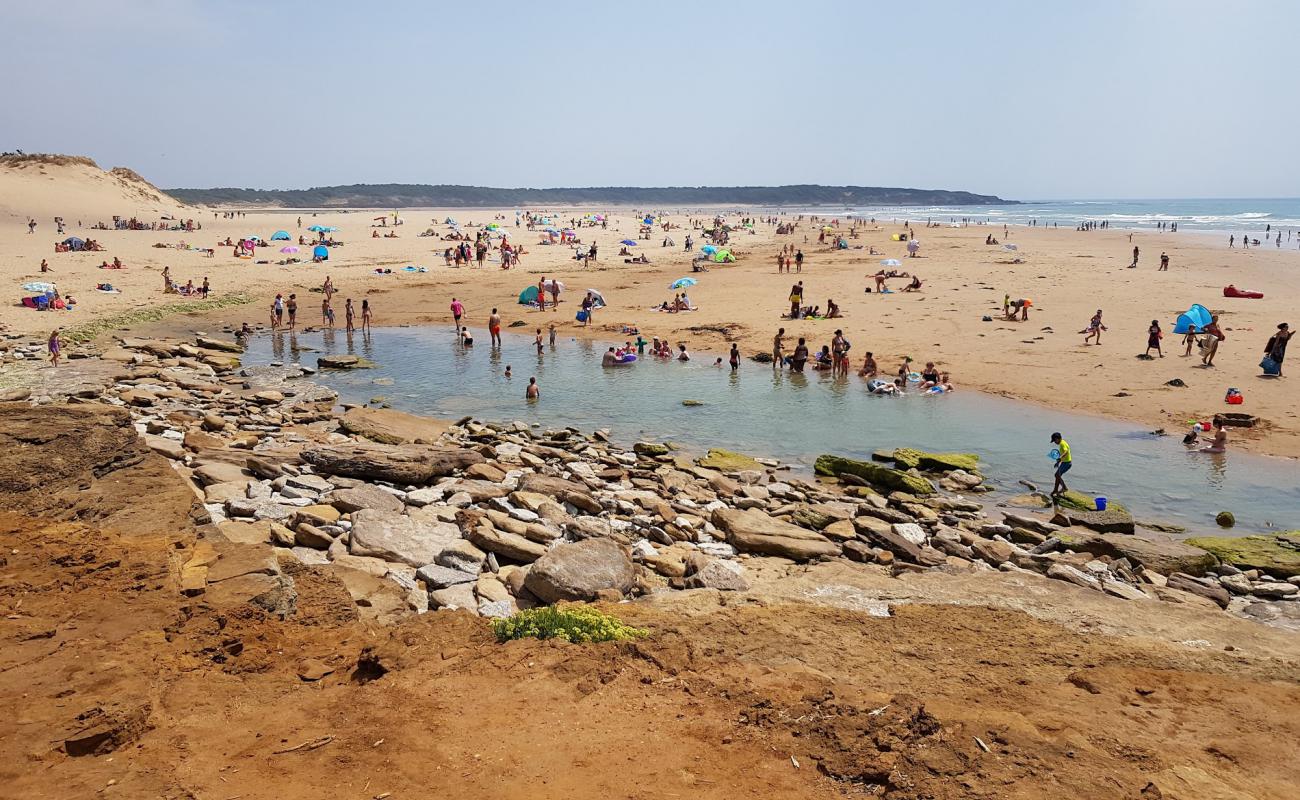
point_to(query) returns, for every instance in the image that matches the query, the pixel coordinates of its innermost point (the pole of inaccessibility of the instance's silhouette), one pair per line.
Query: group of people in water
(835, 358)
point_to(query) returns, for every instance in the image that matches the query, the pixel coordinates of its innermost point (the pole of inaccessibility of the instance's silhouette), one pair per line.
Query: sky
(1026, 100)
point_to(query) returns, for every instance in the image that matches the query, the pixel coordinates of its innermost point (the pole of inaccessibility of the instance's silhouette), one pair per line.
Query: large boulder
(1155, 552)
(752, 531)
(405, 464)
(395, 537)
(908, 458)
(386, 426)
(1276, 554)
(578, 570)
(877, 475)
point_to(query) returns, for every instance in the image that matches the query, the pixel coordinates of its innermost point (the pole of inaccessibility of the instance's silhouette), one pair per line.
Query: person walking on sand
(1210, 344)
(1276, 347)
(588, 306)
(1064, 460)
(457, 312)
(494, 327)
(796, 299)
(555, 294)
(1164, 263)
(1135, 258)
(1094, 329)
(365, 316)
(1154, 335)
(541, 293)
(1189, 340)
(798, 261)
(777, 346)
(53, 345)
(533, 392)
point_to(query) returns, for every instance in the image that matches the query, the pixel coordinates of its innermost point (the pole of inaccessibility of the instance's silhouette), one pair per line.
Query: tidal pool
(766, 412)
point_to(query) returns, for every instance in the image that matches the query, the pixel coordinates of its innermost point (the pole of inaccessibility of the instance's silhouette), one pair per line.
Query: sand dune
(45, 186)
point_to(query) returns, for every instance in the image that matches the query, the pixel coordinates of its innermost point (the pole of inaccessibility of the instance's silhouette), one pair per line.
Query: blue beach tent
(1198, 316)
(280, 236)
(321, 251)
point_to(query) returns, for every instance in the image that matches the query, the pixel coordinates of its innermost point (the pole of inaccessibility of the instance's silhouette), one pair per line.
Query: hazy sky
(1028, 100)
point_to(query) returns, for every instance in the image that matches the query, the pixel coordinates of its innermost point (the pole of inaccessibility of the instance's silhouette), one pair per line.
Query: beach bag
(1270, 366)
(582, 316)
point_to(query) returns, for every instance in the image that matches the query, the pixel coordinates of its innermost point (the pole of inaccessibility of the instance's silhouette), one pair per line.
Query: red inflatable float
(1233, 291)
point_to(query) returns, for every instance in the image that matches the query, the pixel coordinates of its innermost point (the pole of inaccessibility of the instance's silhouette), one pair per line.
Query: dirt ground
(118, 686)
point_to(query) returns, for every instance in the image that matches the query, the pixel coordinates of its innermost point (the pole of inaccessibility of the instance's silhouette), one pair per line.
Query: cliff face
(401, 195)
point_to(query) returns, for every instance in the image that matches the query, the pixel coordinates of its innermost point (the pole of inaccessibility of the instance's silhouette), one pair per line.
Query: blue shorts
(1063, 468)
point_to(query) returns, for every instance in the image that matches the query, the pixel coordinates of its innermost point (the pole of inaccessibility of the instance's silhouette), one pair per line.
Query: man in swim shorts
(1064, 460)
(494, 328)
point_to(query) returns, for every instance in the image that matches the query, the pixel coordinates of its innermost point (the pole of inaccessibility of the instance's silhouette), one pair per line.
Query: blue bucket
(1101, 503)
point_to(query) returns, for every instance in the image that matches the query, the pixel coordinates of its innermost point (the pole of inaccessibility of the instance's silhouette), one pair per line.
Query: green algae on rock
(727, 461)
(876, 474)
(1277, 554)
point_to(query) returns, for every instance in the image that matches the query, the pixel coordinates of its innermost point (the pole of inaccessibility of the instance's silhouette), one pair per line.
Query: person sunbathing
(914, 286)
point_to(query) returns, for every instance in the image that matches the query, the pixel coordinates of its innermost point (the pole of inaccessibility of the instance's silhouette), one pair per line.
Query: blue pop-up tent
(528, 296)
(280, 236)
(1197, 317)
(321, 251)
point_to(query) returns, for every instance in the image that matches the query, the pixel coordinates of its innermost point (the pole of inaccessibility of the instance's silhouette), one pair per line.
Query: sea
(1226, 216)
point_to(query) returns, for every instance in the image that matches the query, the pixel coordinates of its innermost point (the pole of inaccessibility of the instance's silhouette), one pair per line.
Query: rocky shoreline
(416, 514)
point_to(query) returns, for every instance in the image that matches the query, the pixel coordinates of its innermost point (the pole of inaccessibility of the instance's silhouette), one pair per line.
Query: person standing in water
(348, 316)
(365, 316)
(292, 308)
(494, 328)
(734, 358)
(778, 357)
(533, 392)
(1064, 460)
(537, 341)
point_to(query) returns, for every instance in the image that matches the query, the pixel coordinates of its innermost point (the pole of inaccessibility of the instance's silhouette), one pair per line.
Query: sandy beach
(1067, 274)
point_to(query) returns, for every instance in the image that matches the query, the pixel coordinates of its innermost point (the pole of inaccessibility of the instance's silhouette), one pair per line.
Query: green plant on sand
(578, 624)
(88, 331)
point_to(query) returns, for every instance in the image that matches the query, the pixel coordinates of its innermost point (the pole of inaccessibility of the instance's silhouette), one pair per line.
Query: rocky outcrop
(1277, 553)
(402, 464)
(908, 458)
(1157, 553)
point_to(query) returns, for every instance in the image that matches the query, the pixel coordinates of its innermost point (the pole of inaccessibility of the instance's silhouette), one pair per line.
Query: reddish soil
(118, 686)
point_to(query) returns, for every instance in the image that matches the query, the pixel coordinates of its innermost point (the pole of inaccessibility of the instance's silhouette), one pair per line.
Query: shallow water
(764, 412)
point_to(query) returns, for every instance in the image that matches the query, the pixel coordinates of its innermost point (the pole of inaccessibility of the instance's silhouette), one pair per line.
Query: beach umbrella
(315, 229)
(550, 229)
(709, 249)
(492, 226)
(628, 242)
(827, 228)
(39, 287)
(891, 262)
(554, 283)
(682, 283)
(598, 298)
(288, 249)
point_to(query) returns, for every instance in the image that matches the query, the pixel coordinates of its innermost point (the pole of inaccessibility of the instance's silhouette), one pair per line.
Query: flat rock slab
(1158, 553)
(395, 537)
(387, 426)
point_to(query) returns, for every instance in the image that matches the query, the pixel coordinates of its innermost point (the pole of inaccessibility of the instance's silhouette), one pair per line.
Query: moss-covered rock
(909, 458)
(1225, 519)
(1115, 519)
(1078, 501)
(877, 475)
(727, 461)
(651, 449)
(1277, 554)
